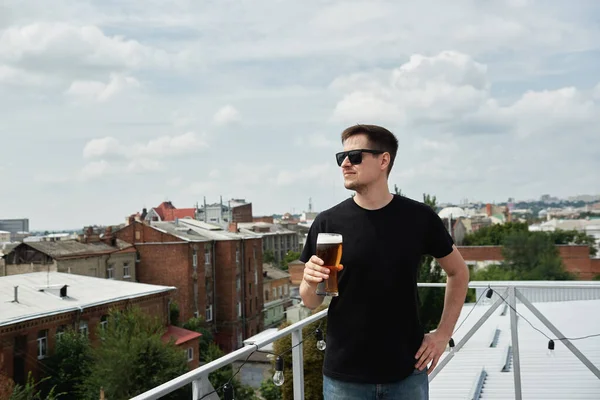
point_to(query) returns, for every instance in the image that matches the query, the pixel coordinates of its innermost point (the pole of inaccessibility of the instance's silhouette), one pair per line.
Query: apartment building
(214, 270)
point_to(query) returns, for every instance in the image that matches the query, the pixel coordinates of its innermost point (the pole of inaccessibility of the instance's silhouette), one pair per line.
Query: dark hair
(379, 138)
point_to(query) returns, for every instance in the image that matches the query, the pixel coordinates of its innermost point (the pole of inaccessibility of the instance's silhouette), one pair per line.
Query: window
(42, 344)
(280, 291)
(250, 288)
(137, 235)
(209, 313)
(110, 271)
(274, 292)
(285, 290)
(60, 331)
(195, 258)
(206, 256)
(255, 276)
(189, 354)
(83, 328)
(126, 270)
(237, 255)
(239, 307)
(254, 252)
(104, 322)
(267, 295)
(238, 283)
(240, 339)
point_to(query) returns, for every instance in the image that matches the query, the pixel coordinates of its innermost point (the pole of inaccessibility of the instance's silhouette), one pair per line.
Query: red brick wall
(155, 305)
(575, 257)
(242, 213)
(268, 220)
(296, 272)
(167, 260)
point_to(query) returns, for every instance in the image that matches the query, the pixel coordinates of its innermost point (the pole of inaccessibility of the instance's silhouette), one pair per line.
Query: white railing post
(298, 364)
(196, 389)
(512, 300)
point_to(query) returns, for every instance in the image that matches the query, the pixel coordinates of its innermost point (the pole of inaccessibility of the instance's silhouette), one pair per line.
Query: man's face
(359, 176)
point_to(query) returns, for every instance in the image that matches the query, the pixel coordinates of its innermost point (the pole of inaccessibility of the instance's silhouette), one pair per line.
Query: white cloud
(451, 93)
(17, 77)
(226, 115)
(161, 147)
(100, 91)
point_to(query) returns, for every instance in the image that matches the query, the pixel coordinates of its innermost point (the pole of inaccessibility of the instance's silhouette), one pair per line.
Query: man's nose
(346, 162)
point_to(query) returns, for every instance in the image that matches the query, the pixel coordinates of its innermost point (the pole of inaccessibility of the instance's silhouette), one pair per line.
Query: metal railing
(510, 293)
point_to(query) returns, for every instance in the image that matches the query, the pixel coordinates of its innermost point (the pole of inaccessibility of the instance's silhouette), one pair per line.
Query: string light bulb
(550, 352)
(321, 345)
(228, 391)
(278, 378)
(488, 296)
(451, 344)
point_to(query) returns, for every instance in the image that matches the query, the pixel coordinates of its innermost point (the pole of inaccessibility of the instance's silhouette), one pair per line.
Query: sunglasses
(354, 156)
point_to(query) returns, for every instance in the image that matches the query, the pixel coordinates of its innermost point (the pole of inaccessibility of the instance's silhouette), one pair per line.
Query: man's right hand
(314, 272)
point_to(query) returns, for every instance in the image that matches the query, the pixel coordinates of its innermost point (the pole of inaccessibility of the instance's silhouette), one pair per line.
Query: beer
(329, 249)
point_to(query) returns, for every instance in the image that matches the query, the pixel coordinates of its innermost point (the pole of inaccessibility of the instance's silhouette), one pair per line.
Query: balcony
(500, 346)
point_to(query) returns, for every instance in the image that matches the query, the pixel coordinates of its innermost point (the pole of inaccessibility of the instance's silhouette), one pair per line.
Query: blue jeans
(414, 387)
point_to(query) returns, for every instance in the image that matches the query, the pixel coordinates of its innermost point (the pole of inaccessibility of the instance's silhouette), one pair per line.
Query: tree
(199, 325)
(268, 257)
(132, 358)
(574, 237)
(431, 299)
(289, 257)
(269, 391)
(70, 364)
(174, 313)
(30, 391)
(397, 191)
(223, 375)
(313, 361)
(494, 235)
(533, 256)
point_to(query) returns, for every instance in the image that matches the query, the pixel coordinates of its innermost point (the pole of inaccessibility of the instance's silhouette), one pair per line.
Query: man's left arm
(457, 284)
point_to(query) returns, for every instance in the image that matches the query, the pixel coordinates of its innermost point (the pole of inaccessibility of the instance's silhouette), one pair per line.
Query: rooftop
(179, 334)
(38, 294)
(275, 273)
(69, 248)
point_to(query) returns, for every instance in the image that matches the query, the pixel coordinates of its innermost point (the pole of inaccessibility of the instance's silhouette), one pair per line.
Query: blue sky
(107, 107)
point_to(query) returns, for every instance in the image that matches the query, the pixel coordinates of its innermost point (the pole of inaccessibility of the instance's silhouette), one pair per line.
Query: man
(376, 346)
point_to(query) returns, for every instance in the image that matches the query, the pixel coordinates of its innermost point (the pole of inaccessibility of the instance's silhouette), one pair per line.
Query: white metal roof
(561, 376)
(82, 292)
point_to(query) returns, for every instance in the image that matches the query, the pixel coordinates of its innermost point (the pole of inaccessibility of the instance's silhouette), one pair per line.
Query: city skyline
(106, 108)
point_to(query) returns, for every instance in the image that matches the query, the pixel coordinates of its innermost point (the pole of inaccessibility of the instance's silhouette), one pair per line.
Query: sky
(108, 106)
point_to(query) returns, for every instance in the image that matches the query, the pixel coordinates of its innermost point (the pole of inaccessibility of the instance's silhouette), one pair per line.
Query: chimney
(16, 300)
(233, 227)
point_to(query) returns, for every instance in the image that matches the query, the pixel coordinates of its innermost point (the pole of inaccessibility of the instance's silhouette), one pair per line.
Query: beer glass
(329, 249)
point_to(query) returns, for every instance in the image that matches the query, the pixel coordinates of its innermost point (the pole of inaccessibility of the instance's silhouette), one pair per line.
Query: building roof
(275, 273)
(263, 228)
(179, 230)
(180, 335)
(168, 212)
(560, 376)
(214, 232)
(38, 294)
(71, 248)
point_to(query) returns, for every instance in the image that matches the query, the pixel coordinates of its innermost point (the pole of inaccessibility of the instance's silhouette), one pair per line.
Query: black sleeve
(310, 248)
(438, 242)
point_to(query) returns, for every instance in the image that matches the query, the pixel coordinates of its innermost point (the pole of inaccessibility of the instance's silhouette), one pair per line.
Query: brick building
(276, 291)
(214, 270)
(575, 257)
(94, 254)
(42, 305)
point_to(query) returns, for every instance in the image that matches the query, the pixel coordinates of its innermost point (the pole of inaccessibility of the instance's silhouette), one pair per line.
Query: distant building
(15, 226)
(276, 289)
(166, 211)
(222, 214)
(275, 238)
(5, 236)
(92, 255)
(43, 305)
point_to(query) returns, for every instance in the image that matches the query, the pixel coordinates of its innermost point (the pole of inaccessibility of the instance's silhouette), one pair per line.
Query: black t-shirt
(373, 327)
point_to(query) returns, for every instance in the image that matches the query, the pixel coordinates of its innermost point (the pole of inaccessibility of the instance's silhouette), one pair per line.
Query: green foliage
(431, 299)
(132, 358)
(30, 391)
(596, 278)
(313, 361)
(574, 237)
(70, 364)
(494, 235)
(268, 257)
(174, 313)
(199, 325)
(289, 257)
(269, 391)
(223, 375)
(527, 256)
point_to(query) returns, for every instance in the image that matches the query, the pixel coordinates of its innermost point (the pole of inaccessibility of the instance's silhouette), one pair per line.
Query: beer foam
(329, 238)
